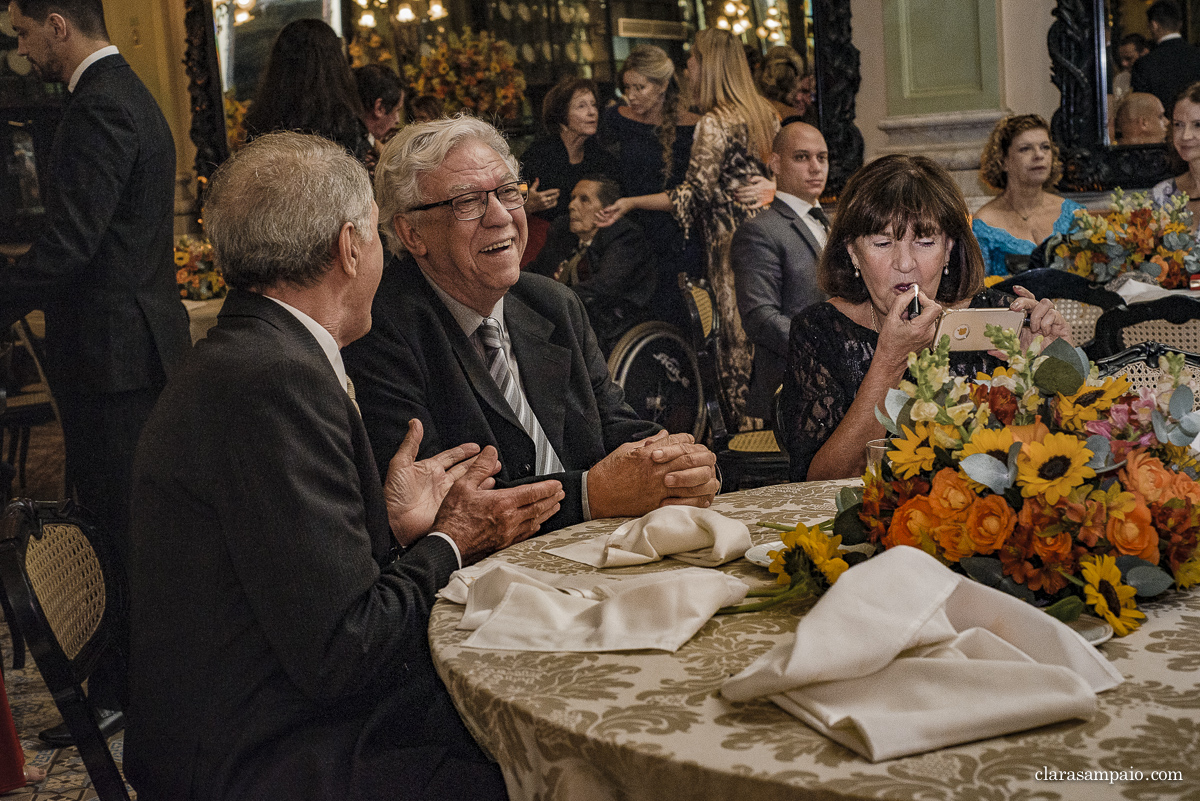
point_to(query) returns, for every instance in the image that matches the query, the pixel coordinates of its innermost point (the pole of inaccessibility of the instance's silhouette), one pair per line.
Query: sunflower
(804, 549)
(1188, 573)
(993, 442)
(1111, 599)
(1088, 401)
(1053, 467)
(912, 454)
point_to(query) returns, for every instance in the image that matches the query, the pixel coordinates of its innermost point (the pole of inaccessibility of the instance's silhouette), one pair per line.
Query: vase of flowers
(1136, 236)
(196, 274)
(475, 72)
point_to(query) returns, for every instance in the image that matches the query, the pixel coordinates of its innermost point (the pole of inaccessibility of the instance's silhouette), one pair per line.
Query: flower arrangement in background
(1042, 479)
(1136, 235)
(197, 276)
(235, 114)
(476, 72)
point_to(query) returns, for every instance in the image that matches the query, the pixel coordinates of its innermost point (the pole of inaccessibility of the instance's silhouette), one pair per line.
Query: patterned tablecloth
(653, 725)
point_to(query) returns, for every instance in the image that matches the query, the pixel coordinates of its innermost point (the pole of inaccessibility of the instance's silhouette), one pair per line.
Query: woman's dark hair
(1192, 95)
(558, 100)
(308, 87)
(901, 193)
(377, 82)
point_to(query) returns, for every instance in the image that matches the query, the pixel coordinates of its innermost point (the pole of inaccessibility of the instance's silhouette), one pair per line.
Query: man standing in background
(102, 271)
(1173, 65)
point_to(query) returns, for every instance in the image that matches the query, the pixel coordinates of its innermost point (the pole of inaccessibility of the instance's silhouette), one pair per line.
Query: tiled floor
(33, 709)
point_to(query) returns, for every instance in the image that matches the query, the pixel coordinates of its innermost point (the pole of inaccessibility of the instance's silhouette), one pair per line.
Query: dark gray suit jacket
(774, 258)
(417, 362)
(277, 652)
(1167, 70)
(104, 270)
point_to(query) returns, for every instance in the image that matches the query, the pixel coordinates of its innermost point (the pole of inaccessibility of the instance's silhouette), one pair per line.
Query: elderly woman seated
(901, 231)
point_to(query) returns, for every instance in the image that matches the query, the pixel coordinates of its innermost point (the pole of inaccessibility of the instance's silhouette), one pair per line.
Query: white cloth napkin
(581, 584)
(697, 536)
(903, 656)
(510, 609)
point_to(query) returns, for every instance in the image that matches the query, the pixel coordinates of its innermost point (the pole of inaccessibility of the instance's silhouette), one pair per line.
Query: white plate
(761, 554)
(1093, 629)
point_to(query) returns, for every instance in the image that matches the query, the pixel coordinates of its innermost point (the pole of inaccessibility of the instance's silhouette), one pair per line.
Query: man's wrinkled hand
(482, 520)
(661, 470)
(413, 490)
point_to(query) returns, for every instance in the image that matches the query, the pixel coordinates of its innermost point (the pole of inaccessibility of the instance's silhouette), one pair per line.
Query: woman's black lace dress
(828, 357)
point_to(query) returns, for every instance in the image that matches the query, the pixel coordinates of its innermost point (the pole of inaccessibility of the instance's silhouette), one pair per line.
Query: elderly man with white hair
(280, 593)
(480, 352)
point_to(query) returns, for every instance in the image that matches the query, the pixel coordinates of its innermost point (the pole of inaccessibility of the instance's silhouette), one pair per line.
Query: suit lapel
(788, 213)
(545, 367)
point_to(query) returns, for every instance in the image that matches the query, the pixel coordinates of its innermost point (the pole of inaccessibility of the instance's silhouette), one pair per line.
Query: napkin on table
(512, 609)
(903, 656)
(696, 536)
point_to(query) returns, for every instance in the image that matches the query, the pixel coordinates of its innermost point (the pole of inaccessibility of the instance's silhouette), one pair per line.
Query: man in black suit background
(281, 594)
(481, 352)
(775, 256)
(103, 270)
(1173, 65)
(609, 268)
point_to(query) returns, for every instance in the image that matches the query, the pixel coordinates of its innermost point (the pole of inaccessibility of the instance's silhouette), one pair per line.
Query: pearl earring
(946, 269)
(856, 274)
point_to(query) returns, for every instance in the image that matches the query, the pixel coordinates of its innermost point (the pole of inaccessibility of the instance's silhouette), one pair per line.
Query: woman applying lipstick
(1022, 162)
(901, 231)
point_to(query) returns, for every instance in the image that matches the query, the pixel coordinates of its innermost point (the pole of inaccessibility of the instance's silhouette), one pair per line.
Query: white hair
(276, 208)
(421, 148)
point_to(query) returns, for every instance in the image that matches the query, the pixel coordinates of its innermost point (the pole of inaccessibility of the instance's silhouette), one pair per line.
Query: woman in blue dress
(1022, 162)
(651, 134)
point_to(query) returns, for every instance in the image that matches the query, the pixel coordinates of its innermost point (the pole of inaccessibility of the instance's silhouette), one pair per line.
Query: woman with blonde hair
(651, 133)
(727, 182)
(785, 82)
(1021, 160)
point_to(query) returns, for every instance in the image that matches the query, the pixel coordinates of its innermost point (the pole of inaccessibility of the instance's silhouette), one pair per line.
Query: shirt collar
(467, 318)
(1170, 36)
(324, 339)
(798, 205)
(104, 52)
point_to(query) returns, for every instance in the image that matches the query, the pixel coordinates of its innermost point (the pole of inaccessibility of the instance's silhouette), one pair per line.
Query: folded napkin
(581, 584)
(510, 609)
(903, 656)
(696, 536)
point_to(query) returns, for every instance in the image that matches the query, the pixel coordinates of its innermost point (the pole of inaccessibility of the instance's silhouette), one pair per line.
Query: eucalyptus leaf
(1101, 451)
(1125, 563)
(894, 402)
(1061, 349)
(847, 497)
(886, 423)
(1149, 580)
(1190, 423)
(1058, 375)
(987, 470)
(1182, 401)
(1066, 609)
(849, 527)
(986, 570)
(1160, 425)
(1014, 451)
(1179, 437)
(1016, 590)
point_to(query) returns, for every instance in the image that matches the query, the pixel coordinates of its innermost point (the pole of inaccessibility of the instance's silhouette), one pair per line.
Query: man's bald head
(800, 160)
(1141, 120)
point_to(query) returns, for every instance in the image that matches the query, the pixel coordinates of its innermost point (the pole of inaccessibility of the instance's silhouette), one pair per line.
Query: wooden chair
(59, 581)
(656, 367)
(1139, 364)
(1173, 321)
(752, 455)
(1078, 300)
(29, 403)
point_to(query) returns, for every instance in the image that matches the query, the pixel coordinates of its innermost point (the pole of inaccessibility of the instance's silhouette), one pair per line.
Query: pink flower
(1102, 427)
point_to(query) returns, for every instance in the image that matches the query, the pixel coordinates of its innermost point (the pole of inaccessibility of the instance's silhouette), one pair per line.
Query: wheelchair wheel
(657, 368)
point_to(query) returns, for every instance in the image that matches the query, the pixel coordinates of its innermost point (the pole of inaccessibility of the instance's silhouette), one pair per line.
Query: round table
(653, 725)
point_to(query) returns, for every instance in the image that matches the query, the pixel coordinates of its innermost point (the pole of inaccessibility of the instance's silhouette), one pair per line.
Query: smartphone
(965, 326)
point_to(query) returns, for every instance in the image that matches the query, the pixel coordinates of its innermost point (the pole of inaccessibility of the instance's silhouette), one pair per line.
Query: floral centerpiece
(476, 72)
(1137, 235)
(196, 274)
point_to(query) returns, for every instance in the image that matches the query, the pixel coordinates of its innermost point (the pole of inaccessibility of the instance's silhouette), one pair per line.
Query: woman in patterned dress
(727, 182)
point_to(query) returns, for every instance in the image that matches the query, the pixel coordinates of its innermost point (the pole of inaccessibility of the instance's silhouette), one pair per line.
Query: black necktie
(818, 214)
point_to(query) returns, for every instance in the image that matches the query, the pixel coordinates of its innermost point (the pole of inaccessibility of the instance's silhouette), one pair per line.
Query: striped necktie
(350, 392)
(497, 362)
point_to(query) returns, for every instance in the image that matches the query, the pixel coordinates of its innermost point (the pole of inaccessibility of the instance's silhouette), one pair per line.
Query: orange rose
(989, 522)
(1184, 487)
(913, 524)
(952, 536)
(950, 494)
(1145, 475)
(1135, 535)
(1055, 547)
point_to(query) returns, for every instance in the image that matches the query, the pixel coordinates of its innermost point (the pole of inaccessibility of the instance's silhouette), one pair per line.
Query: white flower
(924, 411)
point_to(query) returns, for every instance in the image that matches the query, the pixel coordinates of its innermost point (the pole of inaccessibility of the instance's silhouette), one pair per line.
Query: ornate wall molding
(204, 87)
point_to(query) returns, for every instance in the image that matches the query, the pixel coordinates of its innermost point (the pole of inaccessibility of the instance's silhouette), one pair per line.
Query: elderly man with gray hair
(280, 593)
(480, 352)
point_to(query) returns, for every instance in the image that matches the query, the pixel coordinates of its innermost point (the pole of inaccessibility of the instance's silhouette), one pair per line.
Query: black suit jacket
(1167, 70)
(774, 258)
(278, 652)
(104, 270)
(417, 362)
(619, 258)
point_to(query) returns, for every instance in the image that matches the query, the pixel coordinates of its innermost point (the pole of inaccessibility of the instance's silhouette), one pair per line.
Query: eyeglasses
(473, 205)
